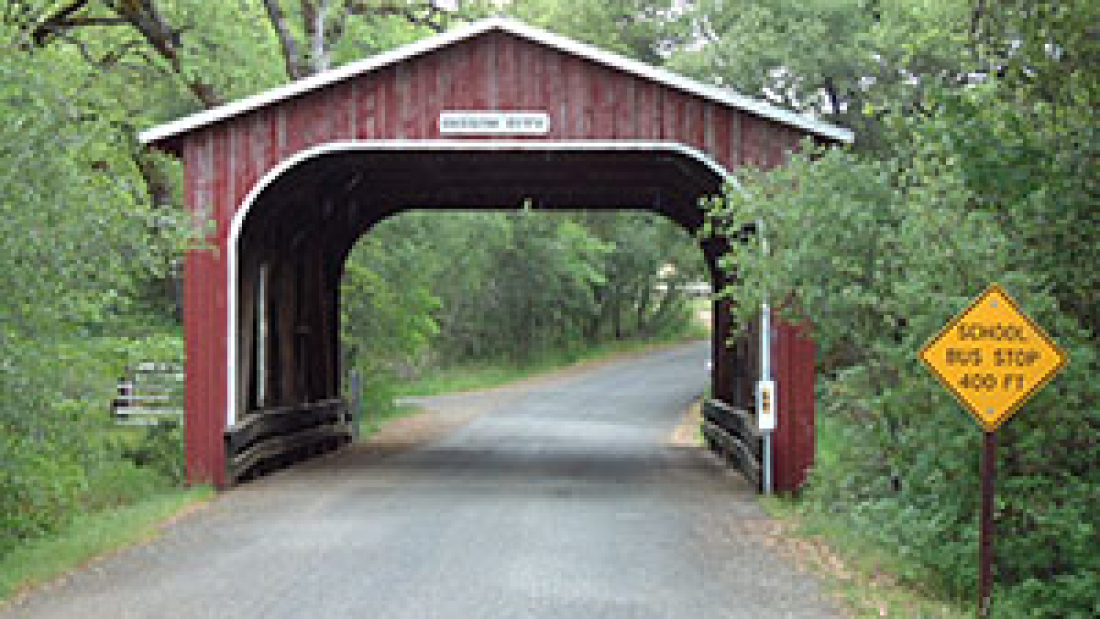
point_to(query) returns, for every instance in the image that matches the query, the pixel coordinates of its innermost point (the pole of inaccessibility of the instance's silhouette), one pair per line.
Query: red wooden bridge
(493, 115)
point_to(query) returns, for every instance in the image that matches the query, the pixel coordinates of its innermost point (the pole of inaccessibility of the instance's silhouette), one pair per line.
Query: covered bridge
(491, 115)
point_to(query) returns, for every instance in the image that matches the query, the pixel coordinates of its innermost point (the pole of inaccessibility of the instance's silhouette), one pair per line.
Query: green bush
(161, 449)
(880, 254)
(39, 490)
(60, 453)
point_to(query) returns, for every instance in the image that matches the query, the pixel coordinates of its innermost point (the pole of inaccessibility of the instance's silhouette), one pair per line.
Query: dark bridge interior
(298, 232)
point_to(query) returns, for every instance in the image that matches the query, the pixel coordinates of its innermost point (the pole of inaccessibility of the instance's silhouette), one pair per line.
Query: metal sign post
(765, 388)
(985, 528)
(992, 357)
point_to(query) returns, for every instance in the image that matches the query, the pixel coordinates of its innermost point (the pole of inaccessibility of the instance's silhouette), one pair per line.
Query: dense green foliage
(526, 284)
(992, 178)
(78, 248)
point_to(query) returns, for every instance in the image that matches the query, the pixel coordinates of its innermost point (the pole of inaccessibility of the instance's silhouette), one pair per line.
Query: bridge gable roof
(164, 135)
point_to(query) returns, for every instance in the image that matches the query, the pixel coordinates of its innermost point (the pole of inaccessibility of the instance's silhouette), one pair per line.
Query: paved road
(561, 497)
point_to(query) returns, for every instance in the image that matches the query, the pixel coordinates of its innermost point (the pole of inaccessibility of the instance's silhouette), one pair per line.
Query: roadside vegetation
(978, 163)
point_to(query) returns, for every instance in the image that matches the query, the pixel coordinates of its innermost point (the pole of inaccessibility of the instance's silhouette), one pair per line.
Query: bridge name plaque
(494, 123)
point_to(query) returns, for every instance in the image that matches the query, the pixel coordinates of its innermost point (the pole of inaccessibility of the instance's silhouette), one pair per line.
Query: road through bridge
(562, 496)
(493, 115)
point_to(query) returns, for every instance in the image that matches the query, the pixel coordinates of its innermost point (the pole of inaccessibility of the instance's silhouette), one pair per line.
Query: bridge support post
(205, 371)
(793, 442)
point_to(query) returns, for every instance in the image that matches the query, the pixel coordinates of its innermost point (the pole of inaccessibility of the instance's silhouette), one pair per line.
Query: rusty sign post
(992, 357)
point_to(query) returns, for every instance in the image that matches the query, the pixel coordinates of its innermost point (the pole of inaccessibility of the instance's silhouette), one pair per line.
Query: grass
(472, 376)
(828, 441)
(861, 575)
(89, 536)
(369, 425)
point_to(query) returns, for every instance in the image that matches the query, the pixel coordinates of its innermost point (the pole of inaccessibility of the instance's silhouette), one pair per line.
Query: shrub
(880, 254)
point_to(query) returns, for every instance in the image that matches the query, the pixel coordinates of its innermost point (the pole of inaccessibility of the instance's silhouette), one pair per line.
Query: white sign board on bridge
(494, 123)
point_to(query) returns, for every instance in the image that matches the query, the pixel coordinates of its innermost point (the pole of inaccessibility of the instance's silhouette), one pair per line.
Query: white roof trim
(679, 82)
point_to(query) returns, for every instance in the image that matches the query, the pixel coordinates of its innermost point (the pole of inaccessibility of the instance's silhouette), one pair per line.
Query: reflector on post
(765, 405)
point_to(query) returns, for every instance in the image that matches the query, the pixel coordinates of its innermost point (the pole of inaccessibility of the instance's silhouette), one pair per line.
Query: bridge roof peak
(162, 135)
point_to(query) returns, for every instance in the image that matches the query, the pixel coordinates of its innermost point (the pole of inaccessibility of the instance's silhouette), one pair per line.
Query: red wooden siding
(794, 438)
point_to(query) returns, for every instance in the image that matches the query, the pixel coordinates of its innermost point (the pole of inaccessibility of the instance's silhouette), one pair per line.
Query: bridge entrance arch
(490, 116)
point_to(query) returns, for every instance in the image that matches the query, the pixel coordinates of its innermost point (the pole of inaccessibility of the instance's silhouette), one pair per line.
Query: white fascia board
(569, 46)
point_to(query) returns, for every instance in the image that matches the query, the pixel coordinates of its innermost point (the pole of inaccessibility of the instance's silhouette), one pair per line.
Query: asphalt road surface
(559, 497)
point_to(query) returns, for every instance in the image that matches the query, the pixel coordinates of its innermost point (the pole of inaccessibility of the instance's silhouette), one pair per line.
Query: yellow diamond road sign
(992, 357)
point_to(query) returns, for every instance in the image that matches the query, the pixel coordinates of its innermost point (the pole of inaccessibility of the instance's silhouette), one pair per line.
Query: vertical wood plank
(622, 114)
(260, 148)
(274, 117)
(750, 154)
(507, 73)
(482, 88)
(736, 155)
(649, 119)
(245, 159)
(294, 140)
(721, 131)
(553, 95)
(387, 112)
(682, 124)
(342, 103)
(429, 95)
(691, 127)
(669, 115)
(222, 180)
(603, 103)
(366, 123)
(530, 62)
(464, 97)
(405, 113)
(577, 98)
(445, 85)
(709, 139)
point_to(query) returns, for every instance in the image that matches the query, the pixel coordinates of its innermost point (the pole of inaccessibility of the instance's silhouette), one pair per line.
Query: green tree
(992, 178)
(848, 61)
(642, 29)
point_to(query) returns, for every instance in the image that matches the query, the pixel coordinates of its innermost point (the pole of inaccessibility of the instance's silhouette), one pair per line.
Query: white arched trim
(578, 146)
